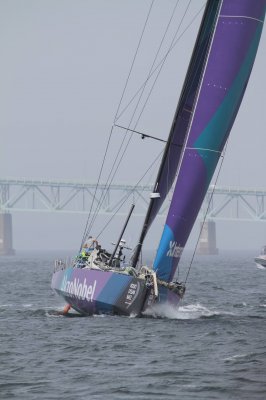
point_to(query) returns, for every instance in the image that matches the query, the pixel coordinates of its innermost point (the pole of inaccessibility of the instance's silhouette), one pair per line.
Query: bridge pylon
(6, 247)
(207, 242)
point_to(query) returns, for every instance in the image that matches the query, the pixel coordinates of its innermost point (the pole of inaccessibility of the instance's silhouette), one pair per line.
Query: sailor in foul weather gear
(90, 245)
(119, 257)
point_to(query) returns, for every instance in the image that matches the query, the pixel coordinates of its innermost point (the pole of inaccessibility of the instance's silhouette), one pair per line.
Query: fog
(63, 69)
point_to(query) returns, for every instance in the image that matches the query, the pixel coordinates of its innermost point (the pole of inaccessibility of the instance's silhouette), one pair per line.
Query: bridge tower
(6, 247)
(207, 242)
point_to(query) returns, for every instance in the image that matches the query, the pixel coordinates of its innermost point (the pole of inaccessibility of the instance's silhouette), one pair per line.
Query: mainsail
(216, 96)
(173, 149)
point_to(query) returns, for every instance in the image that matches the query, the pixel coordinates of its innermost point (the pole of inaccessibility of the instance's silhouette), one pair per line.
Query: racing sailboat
(216, 79)
(260, 260)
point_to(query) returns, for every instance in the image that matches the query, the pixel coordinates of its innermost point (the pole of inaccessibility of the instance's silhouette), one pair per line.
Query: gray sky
(63, 67)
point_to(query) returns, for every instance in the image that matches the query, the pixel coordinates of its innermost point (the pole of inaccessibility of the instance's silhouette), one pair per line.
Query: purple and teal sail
(173, 149)
(232, 43)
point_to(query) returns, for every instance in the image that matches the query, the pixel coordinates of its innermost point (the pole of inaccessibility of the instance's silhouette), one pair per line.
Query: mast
(174, 145)
(122, 233)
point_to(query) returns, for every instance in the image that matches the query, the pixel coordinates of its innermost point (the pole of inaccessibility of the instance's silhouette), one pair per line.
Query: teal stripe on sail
(163, 261)
(213, 135)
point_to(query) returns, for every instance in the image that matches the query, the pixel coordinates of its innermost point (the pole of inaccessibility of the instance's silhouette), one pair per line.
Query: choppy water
(213, 347)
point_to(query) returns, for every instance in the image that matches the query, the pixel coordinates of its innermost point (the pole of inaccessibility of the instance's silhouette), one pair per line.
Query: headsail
(173, 148)
(220, 88)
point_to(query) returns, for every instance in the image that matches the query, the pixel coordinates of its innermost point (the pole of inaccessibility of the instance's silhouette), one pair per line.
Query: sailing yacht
(216, 79)
(261, 258)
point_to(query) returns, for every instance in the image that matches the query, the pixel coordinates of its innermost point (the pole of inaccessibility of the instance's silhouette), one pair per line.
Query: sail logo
(79, 290)
(175, 250)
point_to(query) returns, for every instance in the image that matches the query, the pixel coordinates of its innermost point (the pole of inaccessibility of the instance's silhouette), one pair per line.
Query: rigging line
(162, 60)
(143, 89)
(208, 207)
(101, 200)
(150, 72)
(118, 108)
(130, 138)
(185, 92)
(143, 176)
(161, 63)
(105, 191)
(192, 77)
(110, 178)
(151, 69)
(126, 146)
(96, 188)
(107, 186)
(134, 59)
(159, 71)
(143, 135)
(140, 193)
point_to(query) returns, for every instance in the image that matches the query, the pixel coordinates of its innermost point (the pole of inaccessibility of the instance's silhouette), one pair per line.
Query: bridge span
(24, 195)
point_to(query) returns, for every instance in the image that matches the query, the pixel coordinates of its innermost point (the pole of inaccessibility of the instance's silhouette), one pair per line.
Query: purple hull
(102, 292)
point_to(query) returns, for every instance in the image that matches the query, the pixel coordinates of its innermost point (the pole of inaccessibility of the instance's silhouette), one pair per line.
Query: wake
(188, 312)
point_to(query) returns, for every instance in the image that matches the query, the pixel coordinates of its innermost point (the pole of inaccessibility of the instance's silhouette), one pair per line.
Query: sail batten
(221, 87)
(203, 149)
(241, 16)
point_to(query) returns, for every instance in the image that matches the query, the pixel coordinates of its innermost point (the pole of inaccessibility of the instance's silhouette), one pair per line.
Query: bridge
(24, 195)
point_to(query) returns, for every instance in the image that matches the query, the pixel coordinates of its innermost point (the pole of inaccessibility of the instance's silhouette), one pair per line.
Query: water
(213, 347)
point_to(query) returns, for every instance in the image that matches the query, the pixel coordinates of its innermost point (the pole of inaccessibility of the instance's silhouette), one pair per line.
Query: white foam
(133, 315)
(6, 305)
(260, 266)
(100, 315)
(235, 357)
(191, 311)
